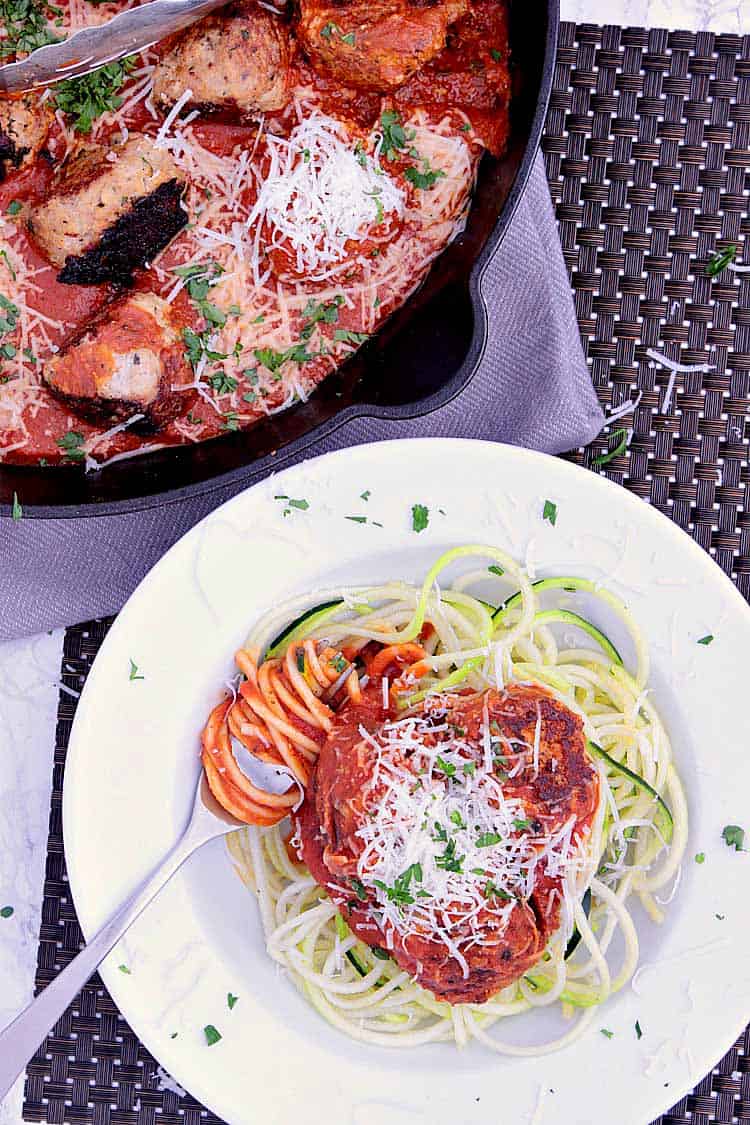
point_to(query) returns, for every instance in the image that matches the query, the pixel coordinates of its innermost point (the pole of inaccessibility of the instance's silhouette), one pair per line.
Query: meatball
(376, 45)
(129, 359)
(24, 125)
(553, 779)
(236, 61)
(109, 211)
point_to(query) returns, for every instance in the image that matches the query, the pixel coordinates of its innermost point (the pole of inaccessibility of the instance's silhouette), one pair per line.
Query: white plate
(133, 764)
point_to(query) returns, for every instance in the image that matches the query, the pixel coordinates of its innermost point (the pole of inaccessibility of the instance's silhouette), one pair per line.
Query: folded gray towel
(532, 389)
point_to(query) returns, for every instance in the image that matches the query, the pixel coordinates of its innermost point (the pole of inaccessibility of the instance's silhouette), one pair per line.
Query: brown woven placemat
(648, 156)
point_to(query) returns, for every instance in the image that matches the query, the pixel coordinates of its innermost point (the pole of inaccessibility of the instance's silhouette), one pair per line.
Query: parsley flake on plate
(7, 911)
(134, 673)
(420, 517)
(606, 1032)
(231, 1000)
(706, 640)
(720, 260)
(734, 837)
(124, 969)
(700, 857)
(638, 1032)
(212, 1035)
(16, 510)
(549, 512)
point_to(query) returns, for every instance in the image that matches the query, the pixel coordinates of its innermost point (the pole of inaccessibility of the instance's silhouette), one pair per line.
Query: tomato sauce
(470, 76)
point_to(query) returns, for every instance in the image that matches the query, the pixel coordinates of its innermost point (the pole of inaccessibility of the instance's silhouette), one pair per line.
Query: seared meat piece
(128, 360)
(109, 211)
(554, 780)
(24, 125)
(236, 61)
(376, 44)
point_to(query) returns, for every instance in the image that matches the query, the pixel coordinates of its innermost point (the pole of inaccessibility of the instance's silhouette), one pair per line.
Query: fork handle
(20, 1039)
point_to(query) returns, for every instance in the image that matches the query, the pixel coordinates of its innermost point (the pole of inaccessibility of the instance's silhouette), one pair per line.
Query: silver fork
(20, 1039)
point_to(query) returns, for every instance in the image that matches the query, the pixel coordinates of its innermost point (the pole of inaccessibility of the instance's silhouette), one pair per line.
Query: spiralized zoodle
(513, 633)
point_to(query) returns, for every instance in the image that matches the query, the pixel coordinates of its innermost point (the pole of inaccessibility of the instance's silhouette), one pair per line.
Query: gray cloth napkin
(533, 388)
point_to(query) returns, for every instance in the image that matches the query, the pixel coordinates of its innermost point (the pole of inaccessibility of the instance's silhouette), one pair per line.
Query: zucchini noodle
(509, 631)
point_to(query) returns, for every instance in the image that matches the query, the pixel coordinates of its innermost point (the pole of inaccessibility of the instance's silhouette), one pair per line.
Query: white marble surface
(29, 668)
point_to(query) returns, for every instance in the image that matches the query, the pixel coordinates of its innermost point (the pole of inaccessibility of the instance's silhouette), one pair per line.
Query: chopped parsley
(734, 837)
(222, 383)
(272, 360)
(399, 892)
(345, 336)
(322, 313)
(449, 861)
(14, 206)
(9, 266)
(706, 640)
(720, 260)
(488, 840)
(395, 137)
(496, 570)
(622, 445)
(231, 1000)
(447, 767)
(497, 55)
(456, 818)
(606, 1032)
(301, 660)
(491, 890)
(638, 1032)
(88, 96)
(350, 39)
(359, 889)
(339, 663)
(328, 29)
(124, 969)
(380, 953)
(26, 27)
(365, 495)
(420, 517)
(71, 444)
(134, 674)
(425, 179)
(469, 768)
(549, 512)
(521, 824)
(231, 421)
(7, 911)
(700, 857)
(16, 511)
(212, 1035)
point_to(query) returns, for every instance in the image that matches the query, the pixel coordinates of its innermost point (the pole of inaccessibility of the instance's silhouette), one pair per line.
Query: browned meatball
(128, 360)
(557, 782)
(236, 61)
(376, 44)
(24, 125)
(109, 211)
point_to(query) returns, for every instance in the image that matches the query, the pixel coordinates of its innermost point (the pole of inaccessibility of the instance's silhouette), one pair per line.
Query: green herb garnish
(488, 840)
(231, 1000)
(88, 96)
(622, 445)
(7, 911)
(720, 260)
(420, 517)
(706, 640)
(70, 444)
(549, 512)
(16, 511)
(734, 837)
(211, 1034)
(134, 674)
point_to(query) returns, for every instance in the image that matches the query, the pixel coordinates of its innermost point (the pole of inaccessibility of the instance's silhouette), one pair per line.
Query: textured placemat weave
(648, 157)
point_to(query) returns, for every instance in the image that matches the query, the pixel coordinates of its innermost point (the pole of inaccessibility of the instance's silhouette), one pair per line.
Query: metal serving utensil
(20, 1039)
(92, 47)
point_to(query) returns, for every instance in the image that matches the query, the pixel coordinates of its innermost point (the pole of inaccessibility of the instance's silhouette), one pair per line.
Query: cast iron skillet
(421, 358)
